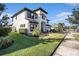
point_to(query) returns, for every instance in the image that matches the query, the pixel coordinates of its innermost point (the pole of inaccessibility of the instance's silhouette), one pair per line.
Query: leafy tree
(4, 19)
(58, 27)
(74, 18)
(74, 27)
(61, 27)
(2, 8)
(36, 31)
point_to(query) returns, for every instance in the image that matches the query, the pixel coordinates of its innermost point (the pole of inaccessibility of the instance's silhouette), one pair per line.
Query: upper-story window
(12, 19)
(43, 16)
(28, 14)
(34, 16)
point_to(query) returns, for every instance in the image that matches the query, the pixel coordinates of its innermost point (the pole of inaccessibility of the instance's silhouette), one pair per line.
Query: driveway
(69, 47)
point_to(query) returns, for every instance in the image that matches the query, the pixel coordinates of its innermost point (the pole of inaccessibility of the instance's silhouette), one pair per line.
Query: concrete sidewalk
(69, 47)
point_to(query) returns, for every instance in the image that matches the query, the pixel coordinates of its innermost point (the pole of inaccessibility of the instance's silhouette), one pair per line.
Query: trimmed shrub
(5, 42)
(53, 30)
(23, 31)
(57, 30)
(8, 30)
(4, 31)
(36, 32)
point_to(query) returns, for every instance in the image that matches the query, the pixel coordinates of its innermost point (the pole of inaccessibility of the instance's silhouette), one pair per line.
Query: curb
(58, 45)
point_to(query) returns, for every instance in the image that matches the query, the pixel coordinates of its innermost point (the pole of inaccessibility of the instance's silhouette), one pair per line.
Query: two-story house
(28, 19)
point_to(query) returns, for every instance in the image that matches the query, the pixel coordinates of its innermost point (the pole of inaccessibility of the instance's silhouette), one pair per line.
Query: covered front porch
(32, 25)
(43, 27)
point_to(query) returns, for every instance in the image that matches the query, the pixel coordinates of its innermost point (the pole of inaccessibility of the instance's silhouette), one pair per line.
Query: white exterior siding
(39, 12)
(20, 20)
(39, 19)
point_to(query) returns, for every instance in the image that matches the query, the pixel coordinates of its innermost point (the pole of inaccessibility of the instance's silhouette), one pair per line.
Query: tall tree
(4, 19)
(61, 24)
(2, 8)
(61, 27)
(74, 18)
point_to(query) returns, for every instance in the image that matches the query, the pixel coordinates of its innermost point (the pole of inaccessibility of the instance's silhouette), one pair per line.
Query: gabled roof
(26, 9)
(41, 10)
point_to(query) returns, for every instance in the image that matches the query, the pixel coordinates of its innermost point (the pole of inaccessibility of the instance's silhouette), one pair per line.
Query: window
(43, 16)
(28, 14)
(22, 25)
(36, 16)
(16, 17)
(32, 16)
(12, 19)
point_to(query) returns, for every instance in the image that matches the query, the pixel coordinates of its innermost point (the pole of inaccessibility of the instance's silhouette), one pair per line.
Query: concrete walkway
(69, 47)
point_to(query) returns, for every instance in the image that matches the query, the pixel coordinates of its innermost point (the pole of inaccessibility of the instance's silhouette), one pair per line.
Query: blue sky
(57, 12)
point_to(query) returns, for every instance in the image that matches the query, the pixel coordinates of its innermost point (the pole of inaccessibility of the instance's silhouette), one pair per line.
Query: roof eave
(24, 9)
(41, 9)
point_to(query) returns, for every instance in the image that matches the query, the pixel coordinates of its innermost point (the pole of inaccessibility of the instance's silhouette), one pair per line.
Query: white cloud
(63, 14)
(60, 17)
(73, 4)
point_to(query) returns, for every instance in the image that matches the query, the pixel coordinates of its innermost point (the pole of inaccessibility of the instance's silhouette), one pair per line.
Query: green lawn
(77, 36)
(31, 46)
(52, 36)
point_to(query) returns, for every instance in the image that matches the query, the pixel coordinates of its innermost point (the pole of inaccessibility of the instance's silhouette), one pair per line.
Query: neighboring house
(48, 28)
(28, 19)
